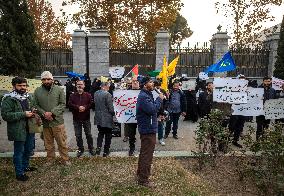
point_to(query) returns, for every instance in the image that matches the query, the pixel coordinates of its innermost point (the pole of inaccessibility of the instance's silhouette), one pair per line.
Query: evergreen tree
(279, 65)
(19, 53)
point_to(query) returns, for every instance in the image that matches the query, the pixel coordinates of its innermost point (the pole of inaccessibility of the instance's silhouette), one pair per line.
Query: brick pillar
(271, 42)
(79, 55)
(162, 48)
(99, 43)
(220, 45)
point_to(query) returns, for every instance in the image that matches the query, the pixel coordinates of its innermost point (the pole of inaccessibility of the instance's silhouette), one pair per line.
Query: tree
(248, 18)
(179, 30)
(130, 23)
(50, 30)
(19, 53)
(279, 64)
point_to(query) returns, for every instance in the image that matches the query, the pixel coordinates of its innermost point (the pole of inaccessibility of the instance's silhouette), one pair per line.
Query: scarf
(17, 95)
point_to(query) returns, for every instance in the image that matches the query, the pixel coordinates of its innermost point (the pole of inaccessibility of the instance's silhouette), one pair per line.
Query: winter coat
(182, 100)
(146, 112)
(75, 101)
(50, 101)
(104, 110)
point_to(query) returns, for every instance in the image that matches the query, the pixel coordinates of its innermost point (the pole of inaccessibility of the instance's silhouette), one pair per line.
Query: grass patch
(100, 176)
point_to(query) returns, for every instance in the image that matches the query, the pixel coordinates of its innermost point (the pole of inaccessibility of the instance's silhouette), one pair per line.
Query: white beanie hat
(46, 74)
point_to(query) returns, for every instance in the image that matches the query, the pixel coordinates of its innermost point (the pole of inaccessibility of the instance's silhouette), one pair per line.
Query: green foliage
(279, 65)
(267, 169)
(211, 136)
(19, 53)
(179, 30)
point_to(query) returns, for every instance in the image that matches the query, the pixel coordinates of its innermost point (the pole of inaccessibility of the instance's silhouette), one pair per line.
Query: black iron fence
(192, 60)
(250, 62)
(57, 60)
(128, 58)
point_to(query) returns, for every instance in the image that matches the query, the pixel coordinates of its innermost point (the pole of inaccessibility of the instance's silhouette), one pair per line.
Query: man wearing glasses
(50, 103)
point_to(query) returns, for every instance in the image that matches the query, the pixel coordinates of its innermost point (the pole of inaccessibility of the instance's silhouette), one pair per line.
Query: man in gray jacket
(104, 113)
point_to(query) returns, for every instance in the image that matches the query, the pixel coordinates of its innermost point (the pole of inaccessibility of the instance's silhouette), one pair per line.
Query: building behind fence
(257, 62)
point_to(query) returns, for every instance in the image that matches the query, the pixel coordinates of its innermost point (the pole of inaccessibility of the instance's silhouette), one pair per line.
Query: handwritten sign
(232, 91)
(6, 84)
(124, 102)
(186, 85)
(274, 108)
(116, 72)
(277, 83)
(254, 105)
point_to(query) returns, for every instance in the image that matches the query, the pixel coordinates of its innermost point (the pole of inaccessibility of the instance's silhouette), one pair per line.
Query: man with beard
(205, 100)
(80, 104)
(50, 103)
(16, 110)
(269, 93)
(146, 114)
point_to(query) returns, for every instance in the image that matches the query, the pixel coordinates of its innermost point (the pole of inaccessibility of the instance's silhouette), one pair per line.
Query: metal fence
(56, 60)
(127, 58)
(250, 62)
(192, 60)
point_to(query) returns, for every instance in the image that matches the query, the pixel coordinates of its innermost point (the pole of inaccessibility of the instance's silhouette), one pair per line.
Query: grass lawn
(101, 176)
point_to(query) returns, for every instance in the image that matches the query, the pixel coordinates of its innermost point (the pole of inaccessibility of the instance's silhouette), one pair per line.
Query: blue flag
(225, 64)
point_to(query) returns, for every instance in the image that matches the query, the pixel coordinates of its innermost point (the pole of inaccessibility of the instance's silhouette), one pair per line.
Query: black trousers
(104, 132)
(131, 130)
(78, 133)
(262, 124)
(236, 126)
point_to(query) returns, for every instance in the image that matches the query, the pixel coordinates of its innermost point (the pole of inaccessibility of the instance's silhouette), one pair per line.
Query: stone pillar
(79, 55)
(271, 42)
(220, 45)
(162, 48)
(99, 43)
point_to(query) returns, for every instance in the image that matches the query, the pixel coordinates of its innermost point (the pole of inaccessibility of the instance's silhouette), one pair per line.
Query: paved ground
(184, 143)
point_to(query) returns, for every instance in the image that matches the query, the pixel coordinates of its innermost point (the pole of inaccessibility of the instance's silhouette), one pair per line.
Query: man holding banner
(146, 114)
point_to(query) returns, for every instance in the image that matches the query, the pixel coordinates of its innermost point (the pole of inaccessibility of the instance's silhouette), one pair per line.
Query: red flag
(135, 70)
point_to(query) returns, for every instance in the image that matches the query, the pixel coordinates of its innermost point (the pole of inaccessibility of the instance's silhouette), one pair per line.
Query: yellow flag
(164, 84)
(163, 71)
(172, 66)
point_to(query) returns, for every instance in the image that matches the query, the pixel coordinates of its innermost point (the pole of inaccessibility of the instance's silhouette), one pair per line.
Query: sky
(201, 17)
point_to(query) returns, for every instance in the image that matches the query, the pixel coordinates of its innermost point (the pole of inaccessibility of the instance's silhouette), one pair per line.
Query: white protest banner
(190, 84)
(124, 102)
(277, 83)
(228, 90)
(254, 105)
(116, 72)
(274, 108)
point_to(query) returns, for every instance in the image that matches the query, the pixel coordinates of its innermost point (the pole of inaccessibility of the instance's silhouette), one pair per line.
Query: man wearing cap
(146, 114)
(50, 103)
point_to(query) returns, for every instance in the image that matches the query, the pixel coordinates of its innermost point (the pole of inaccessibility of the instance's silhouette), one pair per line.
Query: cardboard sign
(277, 83)
(232, 91)
(190, 84)
(116, 72)
(254, 106)
(274, 108)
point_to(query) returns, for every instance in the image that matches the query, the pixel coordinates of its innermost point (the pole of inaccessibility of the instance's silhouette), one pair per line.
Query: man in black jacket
(176, 107)
(269, 93)
(205, 100)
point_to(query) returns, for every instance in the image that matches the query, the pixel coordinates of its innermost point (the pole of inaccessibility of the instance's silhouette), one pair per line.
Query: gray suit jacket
(104, 110)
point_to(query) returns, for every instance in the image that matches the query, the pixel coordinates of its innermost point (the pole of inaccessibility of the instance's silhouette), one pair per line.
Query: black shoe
(22, 178)
(237, 144)
(30, 169)
(131, 153)
(166, 136)
(80, 153)
(98, 151)
(92, 152)
(106, 153)
(175, 136)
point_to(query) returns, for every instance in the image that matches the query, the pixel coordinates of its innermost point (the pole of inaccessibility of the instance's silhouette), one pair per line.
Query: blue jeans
(160, 130)
(174, 117)
(22, 152)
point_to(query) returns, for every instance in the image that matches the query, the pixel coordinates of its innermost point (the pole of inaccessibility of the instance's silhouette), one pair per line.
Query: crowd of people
(160, 115)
